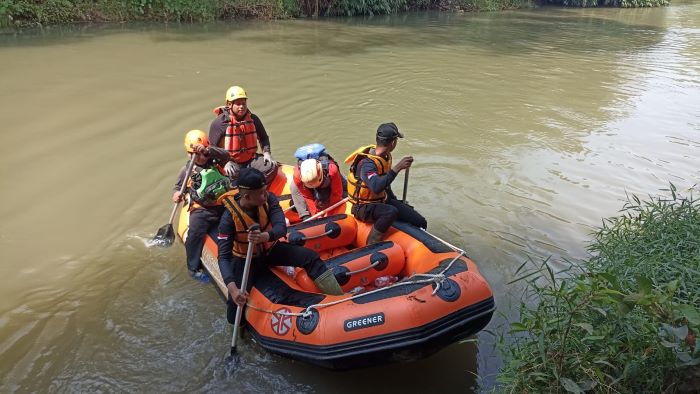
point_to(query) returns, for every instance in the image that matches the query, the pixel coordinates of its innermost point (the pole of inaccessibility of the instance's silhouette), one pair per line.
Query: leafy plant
(625, 321)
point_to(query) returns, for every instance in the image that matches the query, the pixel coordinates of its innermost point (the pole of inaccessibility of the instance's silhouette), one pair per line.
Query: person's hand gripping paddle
(233, 359)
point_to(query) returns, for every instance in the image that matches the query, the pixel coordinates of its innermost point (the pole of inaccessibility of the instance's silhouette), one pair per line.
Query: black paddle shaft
(405, 184)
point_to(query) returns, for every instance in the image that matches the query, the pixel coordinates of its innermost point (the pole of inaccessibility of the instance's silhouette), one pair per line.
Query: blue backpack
(310, 151)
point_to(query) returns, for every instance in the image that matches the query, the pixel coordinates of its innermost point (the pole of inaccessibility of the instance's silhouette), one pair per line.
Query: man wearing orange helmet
(205, 185)
(238, 130)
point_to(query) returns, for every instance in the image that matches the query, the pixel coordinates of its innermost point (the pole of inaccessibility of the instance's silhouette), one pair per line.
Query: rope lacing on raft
(438, 279)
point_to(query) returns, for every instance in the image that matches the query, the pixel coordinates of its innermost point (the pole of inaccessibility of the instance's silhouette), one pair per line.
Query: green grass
(623, 322)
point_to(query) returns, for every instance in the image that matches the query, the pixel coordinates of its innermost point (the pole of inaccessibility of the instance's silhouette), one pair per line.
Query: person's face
(256, 198)
(238, 107)
(200, 159)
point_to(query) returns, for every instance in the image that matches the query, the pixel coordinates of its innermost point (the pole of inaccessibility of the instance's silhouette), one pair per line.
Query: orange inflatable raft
(406, 297)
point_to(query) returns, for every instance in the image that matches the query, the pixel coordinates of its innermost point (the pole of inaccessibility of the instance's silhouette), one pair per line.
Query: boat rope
(438, 279)
(456, 249)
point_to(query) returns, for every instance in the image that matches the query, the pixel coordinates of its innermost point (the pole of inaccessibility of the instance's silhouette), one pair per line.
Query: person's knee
(391, 213)
(422, 223)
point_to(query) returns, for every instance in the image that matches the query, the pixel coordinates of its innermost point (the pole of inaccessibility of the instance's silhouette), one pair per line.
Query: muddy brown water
(527, 128)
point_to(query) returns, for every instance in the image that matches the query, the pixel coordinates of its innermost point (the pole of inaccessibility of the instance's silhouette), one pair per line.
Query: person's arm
(263, 138)
(375, 182)
(217, 129)
(217, 155)
(299, 202)
(180, 179)
(336, 183)
(224, 242)
(276, 216)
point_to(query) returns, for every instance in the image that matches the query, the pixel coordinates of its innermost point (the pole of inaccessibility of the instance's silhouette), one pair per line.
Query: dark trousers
(280, 254)
(202, 221)
(384, 214)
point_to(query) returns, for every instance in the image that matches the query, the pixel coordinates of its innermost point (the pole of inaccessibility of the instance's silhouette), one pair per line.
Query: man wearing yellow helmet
(205, 185)
(238, 130)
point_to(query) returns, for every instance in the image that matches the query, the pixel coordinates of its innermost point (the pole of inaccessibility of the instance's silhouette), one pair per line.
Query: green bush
(44, 12)
(626, 320)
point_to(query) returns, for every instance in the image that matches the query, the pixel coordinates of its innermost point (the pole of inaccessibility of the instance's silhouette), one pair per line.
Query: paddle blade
(164, 237)
(232, 361)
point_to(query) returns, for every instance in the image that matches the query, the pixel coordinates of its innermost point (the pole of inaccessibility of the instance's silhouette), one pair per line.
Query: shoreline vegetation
(624, 321)
(28, 13)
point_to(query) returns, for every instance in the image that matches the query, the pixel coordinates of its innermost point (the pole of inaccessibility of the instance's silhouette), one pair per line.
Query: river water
(527, 128)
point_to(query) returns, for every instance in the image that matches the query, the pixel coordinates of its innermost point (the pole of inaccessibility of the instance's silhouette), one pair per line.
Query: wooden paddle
(332, 207)
(165, 235)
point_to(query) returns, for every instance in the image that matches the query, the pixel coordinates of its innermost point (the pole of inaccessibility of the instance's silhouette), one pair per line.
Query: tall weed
(623, 322)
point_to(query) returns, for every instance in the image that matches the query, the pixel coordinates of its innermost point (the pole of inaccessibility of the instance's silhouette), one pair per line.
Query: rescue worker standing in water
(318, 183)
(369, 185)
(205, 185)
(251, 203)
(238, 130)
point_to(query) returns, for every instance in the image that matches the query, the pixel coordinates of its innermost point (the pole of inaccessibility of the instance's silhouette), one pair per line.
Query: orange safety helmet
(195, 137)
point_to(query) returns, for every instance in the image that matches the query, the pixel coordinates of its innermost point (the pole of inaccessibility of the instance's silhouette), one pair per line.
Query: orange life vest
(358, 191)
(243, 221)
(240, 139)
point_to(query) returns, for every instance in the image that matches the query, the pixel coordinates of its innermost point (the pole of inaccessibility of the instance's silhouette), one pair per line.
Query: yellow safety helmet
(195, 137)
(311, 173)
(235, 92)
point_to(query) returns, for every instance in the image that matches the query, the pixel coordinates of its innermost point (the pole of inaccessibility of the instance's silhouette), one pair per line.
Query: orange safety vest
(242, 222)
(358, 191)
(240, 139)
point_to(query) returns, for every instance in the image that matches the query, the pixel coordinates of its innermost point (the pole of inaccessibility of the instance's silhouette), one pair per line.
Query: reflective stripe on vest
(358, 191)
(242, 222)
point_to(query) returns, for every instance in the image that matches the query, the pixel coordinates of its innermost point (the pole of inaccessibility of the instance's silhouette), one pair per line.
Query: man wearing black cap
(245, 206)
(369, 185)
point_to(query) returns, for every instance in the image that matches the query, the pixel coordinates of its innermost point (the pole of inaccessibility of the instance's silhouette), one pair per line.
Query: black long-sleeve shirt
(369, 173)
(217, 130)
(227, 232)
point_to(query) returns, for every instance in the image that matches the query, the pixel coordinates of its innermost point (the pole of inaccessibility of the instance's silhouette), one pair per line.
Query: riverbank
(21, 13)
(624, 321)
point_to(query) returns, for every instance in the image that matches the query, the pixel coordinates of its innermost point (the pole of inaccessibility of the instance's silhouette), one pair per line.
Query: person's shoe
(374, 236)
(200, 276)
(327, 283)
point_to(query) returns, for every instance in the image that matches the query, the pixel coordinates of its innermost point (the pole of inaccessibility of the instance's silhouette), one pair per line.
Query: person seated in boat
(238, 130)
(251, 203)
(318, 183)
(369, 185)
(204, 186)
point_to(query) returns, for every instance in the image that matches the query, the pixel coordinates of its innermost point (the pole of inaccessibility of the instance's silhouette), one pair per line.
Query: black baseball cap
(388, 131)
(250, 178)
